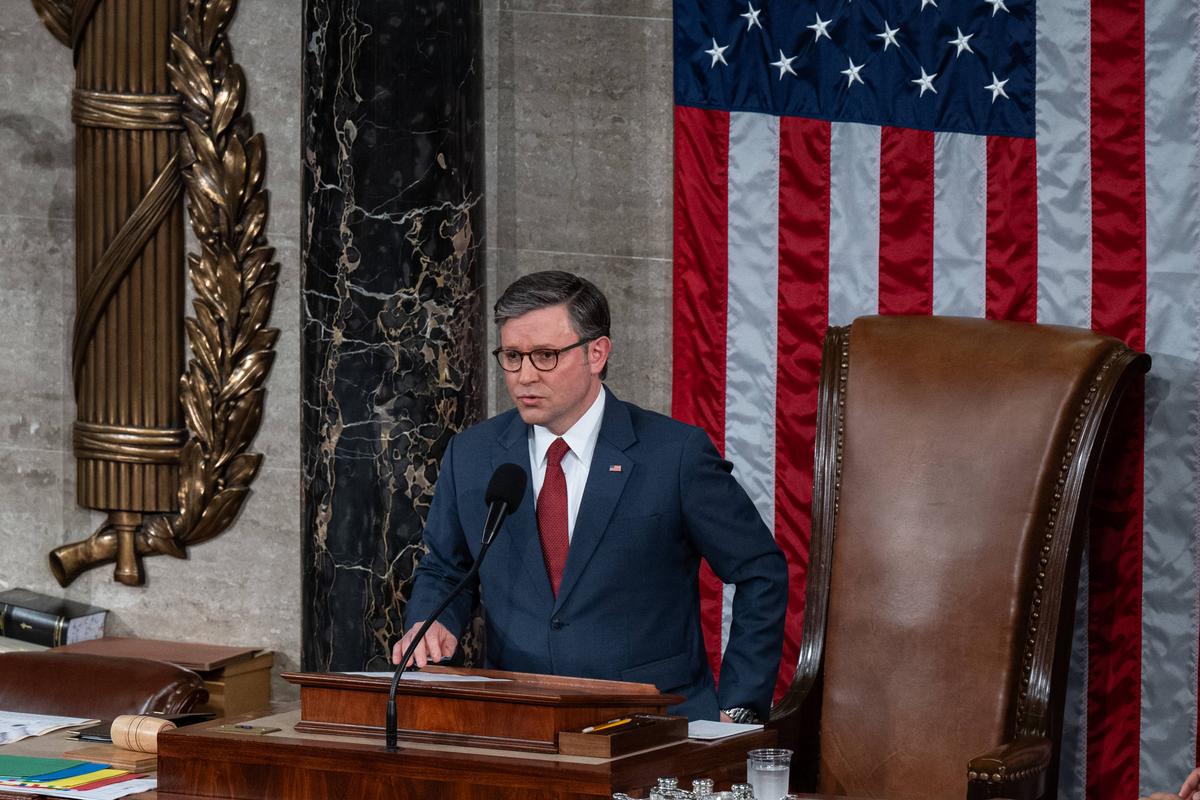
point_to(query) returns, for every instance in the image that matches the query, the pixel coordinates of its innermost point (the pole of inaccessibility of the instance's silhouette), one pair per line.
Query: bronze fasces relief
(159, 114)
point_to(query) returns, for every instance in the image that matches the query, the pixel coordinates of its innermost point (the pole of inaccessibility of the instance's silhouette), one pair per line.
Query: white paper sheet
(15, 726)
(707, 729)
(432, 677)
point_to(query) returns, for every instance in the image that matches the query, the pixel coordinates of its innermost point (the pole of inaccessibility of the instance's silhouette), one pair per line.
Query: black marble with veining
(392, 301)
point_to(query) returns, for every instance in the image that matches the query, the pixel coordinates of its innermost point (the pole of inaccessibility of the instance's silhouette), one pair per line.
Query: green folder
(25, 766)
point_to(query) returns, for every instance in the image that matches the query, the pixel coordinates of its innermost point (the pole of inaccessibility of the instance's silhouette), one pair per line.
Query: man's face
(558, 398)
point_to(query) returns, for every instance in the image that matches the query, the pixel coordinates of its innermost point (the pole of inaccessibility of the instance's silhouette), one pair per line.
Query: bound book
(50, 621)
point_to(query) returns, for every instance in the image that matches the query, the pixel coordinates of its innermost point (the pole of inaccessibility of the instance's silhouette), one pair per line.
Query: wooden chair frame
(1024, 766)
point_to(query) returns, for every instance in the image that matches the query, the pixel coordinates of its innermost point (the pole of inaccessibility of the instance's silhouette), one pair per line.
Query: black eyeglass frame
(529, 354)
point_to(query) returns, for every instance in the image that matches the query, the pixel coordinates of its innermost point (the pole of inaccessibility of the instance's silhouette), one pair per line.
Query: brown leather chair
(954, 465)
(103, 687)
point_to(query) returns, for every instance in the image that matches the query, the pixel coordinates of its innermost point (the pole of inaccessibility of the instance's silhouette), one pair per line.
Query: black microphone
(504, 493)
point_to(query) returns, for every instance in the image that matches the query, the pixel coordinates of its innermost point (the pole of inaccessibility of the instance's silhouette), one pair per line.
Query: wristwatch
(740, 714)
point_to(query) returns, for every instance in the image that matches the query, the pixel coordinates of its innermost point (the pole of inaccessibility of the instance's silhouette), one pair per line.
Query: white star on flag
(996, 87)
(751, 17)
(926, 82)
(961, 42)
(888, 36)
(852, 73)
(932, 3)
(820, 28)
(716, 53)
(784, 64)
(997, 5)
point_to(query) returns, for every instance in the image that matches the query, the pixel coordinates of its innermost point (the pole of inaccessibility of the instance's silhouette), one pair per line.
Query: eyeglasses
(543, 359)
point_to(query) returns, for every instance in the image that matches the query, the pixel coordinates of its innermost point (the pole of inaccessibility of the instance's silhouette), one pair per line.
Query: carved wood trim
(431, 737)
(827, 475)
(1065, 533)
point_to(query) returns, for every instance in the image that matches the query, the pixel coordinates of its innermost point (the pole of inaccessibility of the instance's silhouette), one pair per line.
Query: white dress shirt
(576, 464)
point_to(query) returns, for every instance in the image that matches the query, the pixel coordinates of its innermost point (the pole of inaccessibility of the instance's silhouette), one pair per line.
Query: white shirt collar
(580, 437)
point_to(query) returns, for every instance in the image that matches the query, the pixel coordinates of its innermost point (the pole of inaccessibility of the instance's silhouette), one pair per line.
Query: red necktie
(552, 513)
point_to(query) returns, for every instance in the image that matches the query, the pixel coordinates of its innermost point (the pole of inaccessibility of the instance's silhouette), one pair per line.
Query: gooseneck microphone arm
(412, 647)
(504, 493)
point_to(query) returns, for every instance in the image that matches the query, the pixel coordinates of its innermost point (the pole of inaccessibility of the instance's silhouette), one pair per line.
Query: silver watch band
(740, 714)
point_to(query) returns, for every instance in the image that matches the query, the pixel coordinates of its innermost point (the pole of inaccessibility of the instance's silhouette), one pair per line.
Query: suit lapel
(603, 491)
(521, 527)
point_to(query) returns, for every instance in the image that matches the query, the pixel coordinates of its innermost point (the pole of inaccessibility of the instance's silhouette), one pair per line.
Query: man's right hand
(1191, 786)
(438, 643)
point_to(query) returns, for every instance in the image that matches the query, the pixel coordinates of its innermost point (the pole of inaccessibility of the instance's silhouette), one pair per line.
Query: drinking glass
(767, 771)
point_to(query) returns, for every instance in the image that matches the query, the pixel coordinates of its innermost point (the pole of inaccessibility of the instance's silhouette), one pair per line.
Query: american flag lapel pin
(615, 468)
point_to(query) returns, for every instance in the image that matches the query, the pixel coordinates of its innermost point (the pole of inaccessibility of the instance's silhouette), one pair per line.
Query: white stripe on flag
(853, 221)
(751, 336)
(1169, 594)
(1064, 294)
(1072, 766)
(959, 224)
(1064, 186)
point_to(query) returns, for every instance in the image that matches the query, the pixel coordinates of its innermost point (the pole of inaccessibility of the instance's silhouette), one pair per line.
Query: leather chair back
(103, 687)
(953, 457)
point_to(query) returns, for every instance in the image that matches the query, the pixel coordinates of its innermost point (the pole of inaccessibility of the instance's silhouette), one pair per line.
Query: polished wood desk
(201, 762)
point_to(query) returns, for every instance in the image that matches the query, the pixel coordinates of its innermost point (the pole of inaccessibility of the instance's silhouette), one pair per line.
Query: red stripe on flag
(1119, 309)
(1114, 610)
(1011, 229)
(905, 221)
(804, 153)
(700, 301)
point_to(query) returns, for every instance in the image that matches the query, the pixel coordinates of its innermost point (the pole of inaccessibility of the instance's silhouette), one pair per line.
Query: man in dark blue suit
(598, 577)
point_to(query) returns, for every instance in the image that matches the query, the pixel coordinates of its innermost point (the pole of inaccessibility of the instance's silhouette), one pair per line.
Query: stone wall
(578, 104)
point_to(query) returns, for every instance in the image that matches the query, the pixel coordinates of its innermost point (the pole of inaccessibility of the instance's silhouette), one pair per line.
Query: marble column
(393, 336)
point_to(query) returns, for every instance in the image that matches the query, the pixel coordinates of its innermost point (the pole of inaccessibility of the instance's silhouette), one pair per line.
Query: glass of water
(767, 771)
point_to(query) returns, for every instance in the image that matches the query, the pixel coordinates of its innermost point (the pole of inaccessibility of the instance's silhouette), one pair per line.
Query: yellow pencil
(612, 723)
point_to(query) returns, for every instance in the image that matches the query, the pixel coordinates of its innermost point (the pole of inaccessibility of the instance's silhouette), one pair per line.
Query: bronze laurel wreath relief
(183, 122)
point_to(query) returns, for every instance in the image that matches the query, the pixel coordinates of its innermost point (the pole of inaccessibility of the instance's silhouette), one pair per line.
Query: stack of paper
(433, 677)
(710, 729)
(58, 777)
(15, 726)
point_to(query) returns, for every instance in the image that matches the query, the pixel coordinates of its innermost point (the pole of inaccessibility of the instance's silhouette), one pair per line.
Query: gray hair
(587, 308)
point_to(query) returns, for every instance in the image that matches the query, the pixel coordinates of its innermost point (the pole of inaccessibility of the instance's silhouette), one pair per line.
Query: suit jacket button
(556, 624)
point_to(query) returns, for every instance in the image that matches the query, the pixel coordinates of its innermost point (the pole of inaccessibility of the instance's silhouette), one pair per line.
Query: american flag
(999, 158)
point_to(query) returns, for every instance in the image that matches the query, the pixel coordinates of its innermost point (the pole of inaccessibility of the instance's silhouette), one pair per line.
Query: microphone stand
(391, 705)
